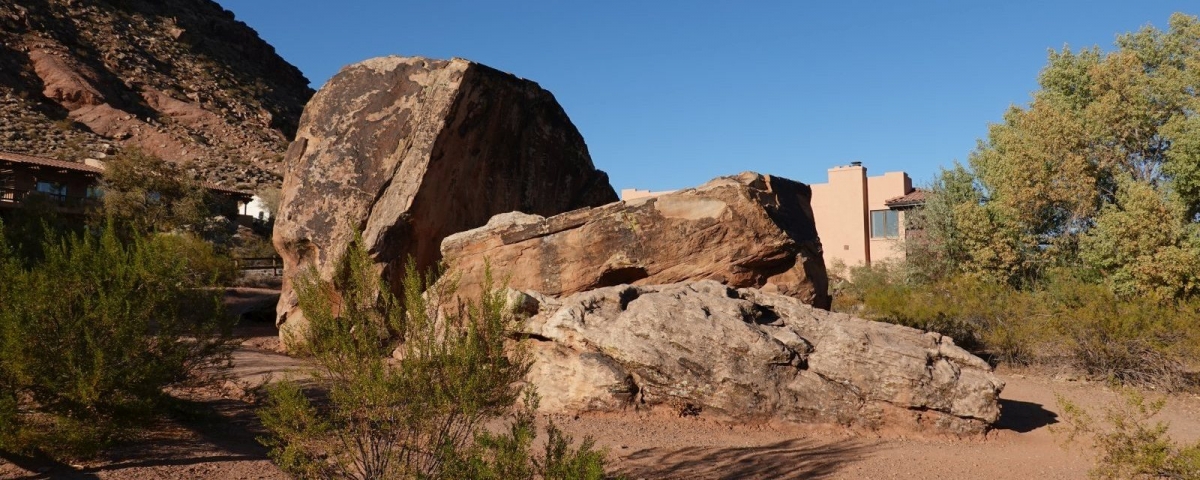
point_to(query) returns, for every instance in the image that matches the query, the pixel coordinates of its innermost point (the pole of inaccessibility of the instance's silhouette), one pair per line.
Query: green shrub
(1066, 320)
(1129, 445)
(418, 416)
(91, 333)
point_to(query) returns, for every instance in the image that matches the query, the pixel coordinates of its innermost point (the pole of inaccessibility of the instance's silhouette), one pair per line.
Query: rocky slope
(181, 79)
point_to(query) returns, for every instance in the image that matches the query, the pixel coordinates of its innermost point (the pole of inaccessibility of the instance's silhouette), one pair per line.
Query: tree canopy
(1099, 172)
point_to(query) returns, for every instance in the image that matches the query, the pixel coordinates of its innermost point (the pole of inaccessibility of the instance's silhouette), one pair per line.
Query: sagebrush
(419, 409)
(93, 329)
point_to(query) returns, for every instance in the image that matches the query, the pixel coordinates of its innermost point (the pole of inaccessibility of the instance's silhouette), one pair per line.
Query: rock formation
(748, 230)
(746, 353)
(183, 80)
(411, 150)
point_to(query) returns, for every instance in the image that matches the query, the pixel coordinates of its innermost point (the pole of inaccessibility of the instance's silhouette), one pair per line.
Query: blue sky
(669, 94)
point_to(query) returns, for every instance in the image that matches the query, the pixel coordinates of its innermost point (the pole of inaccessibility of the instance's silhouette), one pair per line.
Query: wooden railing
(13, 196)
(274, 264)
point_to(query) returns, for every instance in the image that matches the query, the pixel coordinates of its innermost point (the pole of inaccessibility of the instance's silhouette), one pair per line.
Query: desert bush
(420, 415)
(202, 264)
(1129, 444)
(92, 332)
(1134, 342)
(1067, 320)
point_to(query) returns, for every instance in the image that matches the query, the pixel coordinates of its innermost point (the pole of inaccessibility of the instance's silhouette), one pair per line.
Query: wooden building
(70, 186)
(73, 187)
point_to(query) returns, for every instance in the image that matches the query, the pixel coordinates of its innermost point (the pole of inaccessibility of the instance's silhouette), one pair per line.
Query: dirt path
(213, 435)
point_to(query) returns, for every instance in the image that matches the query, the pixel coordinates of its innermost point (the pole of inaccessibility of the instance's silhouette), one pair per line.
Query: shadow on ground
(1024, 417)
(789, 459)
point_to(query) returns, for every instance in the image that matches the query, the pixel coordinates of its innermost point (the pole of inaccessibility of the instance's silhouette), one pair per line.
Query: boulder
(748, 230)
(703, 347)
(410, 150)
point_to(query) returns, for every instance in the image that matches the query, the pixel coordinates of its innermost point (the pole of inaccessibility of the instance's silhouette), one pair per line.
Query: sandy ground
(214, 434)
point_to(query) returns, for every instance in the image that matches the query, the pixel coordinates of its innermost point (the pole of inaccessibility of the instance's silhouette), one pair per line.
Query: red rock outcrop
(748, 230)
(411, 150)
(183, 80)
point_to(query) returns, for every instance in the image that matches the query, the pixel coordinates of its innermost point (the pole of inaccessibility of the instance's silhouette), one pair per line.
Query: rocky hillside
(182, 79)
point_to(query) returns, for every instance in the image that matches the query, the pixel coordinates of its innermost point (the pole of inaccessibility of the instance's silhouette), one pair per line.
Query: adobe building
(860, 219)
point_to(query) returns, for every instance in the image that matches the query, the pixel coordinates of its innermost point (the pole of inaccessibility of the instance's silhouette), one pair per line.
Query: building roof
(48, 162)
(212, 187)
(910, 199)
(81, 167)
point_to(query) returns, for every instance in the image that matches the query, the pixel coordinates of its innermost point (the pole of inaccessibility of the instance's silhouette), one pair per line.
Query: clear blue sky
(669, 94)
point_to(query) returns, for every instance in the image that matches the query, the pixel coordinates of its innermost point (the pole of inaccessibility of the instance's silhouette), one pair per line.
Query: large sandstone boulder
(704, 347)
(410, 150)
(748, 230)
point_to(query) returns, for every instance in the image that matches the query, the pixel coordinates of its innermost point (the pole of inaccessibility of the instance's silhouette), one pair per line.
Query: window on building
(95, 192)
(53, 189)
(8, 185)
(885, 224)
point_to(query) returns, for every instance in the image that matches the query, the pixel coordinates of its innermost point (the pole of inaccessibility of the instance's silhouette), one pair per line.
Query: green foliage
(1101, 169)
(420, 415)
(508, 455)
(92, 332)
(1144, 245)
(1130, 446)
(149, 194)
(1067, 320)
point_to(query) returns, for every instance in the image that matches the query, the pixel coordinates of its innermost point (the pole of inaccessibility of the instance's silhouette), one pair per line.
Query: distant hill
(182, 79)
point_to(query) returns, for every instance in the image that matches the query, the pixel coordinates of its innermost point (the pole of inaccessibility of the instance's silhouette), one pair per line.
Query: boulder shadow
(1024, 417)
(789, 459)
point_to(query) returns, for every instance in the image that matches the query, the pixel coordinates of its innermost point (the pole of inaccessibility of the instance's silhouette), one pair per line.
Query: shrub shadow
(789, 459)
(1024, 417)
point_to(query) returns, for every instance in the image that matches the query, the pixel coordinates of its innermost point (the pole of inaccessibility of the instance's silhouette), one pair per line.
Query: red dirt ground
(217, 440)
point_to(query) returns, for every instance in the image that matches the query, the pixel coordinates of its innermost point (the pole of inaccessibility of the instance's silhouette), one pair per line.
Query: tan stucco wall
(880, 189)
(842, 209)
(839, 208)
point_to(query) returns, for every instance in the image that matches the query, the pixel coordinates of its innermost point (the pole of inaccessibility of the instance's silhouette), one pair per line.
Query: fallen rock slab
(744, 353)
(748, 230)
(410, 150)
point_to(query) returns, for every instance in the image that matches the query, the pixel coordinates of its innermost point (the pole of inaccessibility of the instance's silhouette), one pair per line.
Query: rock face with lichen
(748, 230)
(408, 151)
(706, 348)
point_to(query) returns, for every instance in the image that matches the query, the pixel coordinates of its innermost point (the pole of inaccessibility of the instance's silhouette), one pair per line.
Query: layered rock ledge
(747, 354)
(747, 230)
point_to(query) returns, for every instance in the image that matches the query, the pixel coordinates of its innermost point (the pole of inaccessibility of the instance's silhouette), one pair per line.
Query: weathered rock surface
(745, 353)
(747, 230)
(410, 150)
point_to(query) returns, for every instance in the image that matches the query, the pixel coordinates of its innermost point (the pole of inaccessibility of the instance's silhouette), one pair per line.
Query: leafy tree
(1058, 169)
(1144, 245)
(150, 194)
